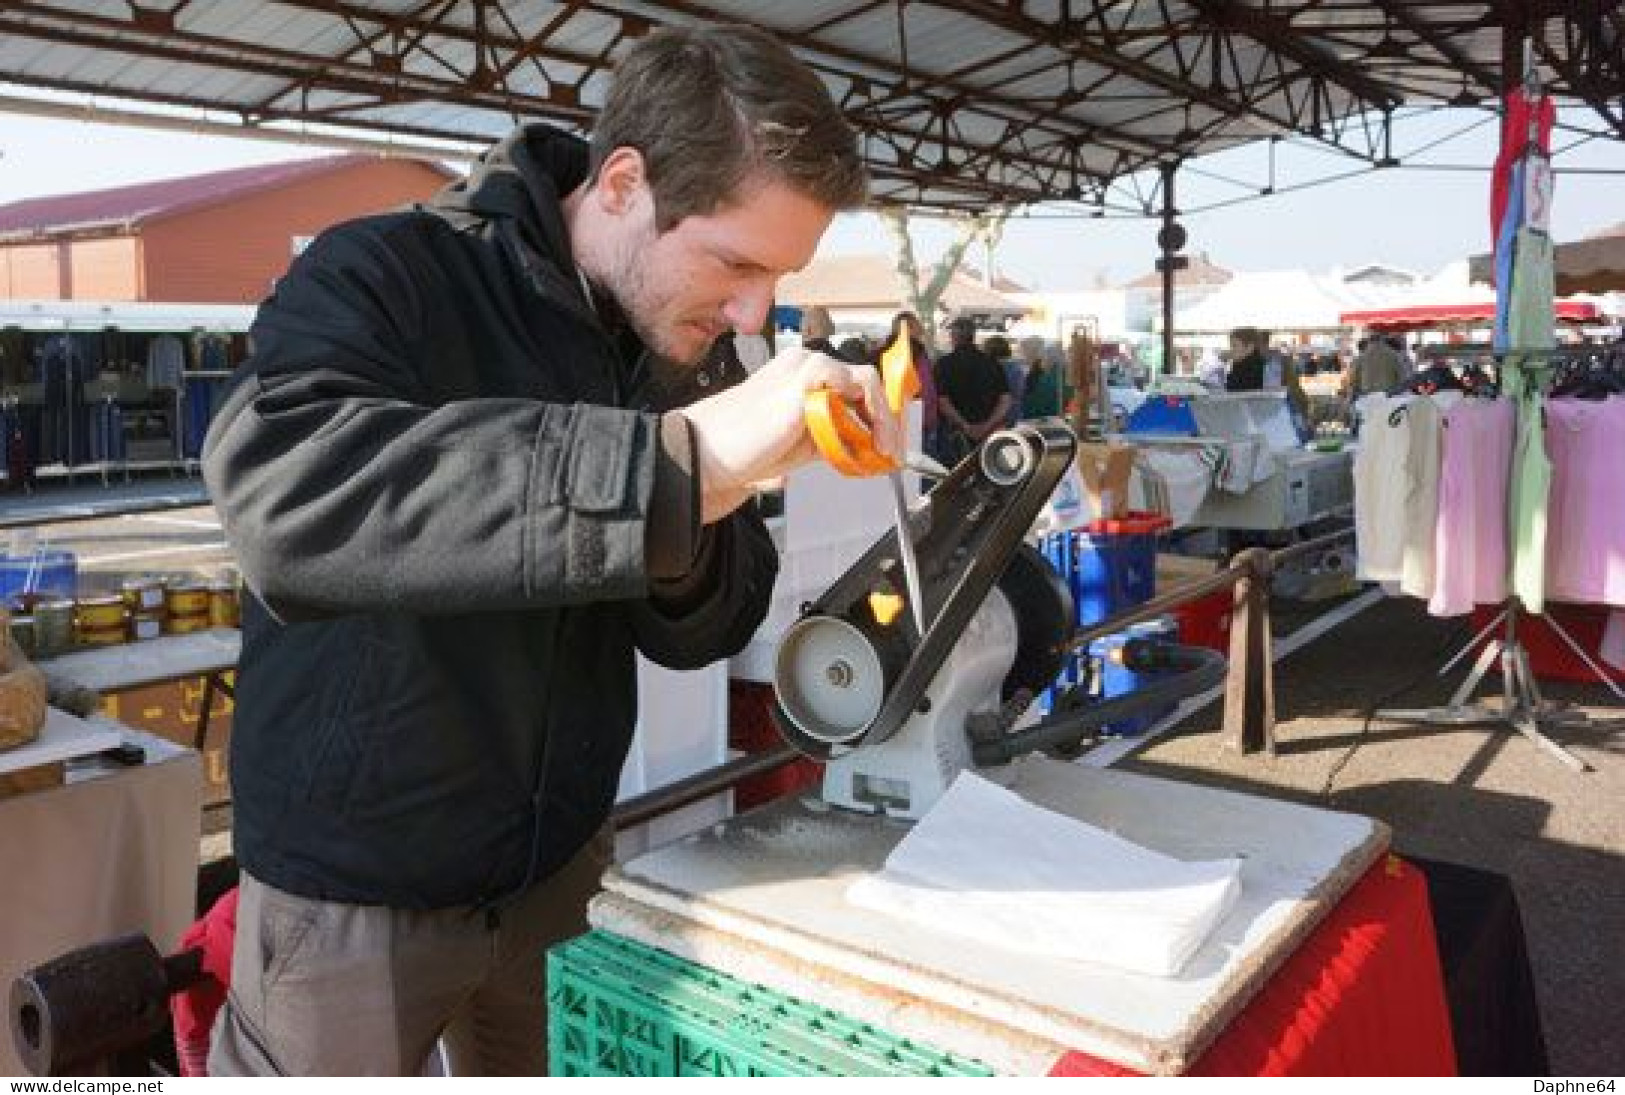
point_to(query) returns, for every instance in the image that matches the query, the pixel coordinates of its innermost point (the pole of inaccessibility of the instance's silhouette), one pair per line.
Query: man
(972, 396)
(1246, 361)
(1378, 368)
(461, 515)
(1041, 388)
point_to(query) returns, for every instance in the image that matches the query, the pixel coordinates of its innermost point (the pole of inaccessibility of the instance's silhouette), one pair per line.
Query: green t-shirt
(1042, 397)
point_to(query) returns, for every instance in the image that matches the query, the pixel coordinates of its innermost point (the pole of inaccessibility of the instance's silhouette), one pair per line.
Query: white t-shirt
(1380, 487)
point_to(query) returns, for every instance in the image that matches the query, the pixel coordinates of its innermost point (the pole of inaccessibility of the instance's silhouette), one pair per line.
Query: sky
(1409, 217)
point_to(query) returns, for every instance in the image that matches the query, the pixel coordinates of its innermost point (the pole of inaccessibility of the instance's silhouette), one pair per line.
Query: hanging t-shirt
(1528, 502)
(1531, 318)
(1585, 558)
(1379, 487)
(1425, 424)
(1470, 537)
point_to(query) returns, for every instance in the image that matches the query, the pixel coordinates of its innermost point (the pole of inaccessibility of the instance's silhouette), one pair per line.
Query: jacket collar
(517, 187)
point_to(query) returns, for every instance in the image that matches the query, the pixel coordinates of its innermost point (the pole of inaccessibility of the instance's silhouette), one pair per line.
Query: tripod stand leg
(1532, 697)
(1511, 694)
(1525, 724)
(1484, 633)
(1469, 687)
(1525, 706)
(1458, 712)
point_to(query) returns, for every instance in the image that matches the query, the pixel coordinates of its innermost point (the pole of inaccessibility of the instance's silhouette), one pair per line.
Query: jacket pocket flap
(602, 447)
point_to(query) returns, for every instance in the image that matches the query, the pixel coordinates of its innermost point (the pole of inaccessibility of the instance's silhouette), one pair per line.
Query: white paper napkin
(987, 865)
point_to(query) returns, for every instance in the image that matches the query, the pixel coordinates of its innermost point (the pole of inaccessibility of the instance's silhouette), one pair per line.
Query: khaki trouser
(325, 989)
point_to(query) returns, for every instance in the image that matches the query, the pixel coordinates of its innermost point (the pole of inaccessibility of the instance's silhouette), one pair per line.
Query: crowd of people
(973, 388)
(976, 387)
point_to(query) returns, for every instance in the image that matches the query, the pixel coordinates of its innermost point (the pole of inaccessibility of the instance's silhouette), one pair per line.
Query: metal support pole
(1249, 690)
(1166, 237)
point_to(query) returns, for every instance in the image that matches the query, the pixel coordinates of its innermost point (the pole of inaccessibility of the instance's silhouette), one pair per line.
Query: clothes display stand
(1523, 707)
(1525, 342)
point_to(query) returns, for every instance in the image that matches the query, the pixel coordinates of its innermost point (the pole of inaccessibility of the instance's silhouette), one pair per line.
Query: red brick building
(222, 237)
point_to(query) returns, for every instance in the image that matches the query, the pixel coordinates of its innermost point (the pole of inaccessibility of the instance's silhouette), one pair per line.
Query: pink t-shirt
(1585, 550)
(1470, 539)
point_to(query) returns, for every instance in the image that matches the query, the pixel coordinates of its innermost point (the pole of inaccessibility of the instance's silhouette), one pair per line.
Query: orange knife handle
(842, 439)
(897, 374)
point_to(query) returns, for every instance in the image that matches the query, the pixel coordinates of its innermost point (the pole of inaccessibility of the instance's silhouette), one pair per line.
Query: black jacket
(1246, 374)
(457, 536)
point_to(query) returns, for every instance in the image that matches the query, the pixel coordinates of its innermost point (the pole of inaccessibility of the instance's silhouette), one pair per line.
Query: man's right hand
(757, 430)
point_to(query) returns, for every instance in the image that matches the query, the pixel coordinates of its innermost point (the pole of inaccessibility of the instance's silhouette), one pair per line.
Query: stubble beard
(635, 293)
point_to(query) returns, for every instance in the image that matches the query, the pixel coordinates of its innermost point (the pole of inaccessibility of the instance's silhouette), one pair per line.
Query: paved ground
(1481, 796)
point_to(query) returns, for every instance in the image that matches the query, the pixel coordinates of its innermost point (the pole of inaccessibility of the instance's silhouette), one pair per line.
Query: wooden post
(1249, 690)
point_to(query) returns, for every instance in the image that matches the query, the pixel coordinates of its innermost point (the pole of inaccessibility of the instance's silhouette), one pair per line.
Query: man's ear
(622, 181)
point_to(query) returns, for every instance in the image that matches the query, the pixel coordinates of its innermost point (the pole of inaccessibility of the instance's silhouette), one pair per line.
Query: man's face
(708, 274)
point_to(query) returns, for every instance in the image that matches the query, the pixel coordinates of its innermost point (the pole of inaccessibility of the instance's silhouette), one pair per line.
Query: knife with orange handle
(846, 442)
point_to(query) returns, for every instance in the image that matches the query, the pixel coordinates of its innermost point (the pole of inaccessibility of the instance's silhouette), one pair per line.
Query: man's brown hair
(1251, 337)
(709, 106)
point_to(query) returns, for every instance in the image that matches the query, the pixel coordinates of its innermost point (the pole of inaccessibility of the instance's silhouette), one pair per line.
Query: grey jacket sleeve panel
(342, 492)
(712, 613)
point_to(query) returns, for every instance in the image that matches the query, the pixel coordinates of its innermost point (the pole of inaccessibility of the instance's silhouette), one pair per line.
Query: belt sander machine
(896, 713)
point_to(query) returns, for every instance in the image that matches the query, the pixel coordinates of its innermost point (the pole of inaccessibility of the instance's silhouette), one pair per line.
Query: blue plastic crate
(1109, 566)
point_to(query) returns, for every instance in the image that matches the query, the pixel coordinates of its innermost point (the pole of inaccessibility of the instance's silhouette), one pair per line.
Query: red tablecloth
(1363, 996)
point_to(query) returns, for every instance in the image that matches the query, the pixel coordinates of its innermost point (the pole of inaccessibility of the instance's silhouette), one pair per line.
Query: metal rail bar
(703, 784)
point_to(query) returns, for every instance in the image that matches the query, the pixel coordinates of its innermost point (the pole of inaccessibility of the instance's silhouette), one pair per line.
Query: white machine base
(905, 775)
(762, 897)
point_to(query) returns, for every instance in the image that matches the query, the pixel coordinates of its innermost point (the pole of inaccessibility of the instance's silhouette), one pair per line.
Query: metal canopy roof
(961, 103)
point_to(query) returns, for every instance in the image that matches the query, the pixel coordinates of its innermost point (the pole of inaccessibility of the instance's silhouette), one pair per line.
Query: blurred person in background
(1377, 368)
(856, 348)
(1041, 390)
(971, 393)
(1015, 375)
(1246, 372)
(906, 325)
(817, 329)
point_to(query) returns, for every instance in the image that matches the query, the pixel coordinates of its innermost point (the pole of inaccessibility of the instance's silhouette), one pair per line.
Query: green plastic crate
(618, 1008)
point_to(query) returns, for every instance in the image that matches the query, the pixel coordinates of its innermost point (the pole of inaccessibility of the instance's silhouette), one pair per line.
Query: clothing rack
(1523, 707)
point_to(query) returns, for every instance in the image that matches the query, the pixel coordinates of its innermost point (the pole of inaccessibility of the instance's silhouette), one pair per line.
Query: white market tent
(1452, 298)
(866, 291)
(1280, 301)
